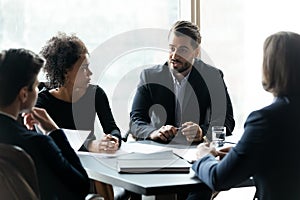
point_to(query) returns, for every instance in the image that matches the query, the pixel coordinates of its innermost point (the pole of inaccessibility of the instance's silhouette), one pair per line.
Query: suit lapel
(166, 94)
(188, 90)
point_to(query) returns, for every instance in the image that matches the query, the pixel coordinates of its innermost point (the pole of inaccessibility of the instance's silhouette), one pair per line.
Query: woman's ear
(67, 78)
(23, 94)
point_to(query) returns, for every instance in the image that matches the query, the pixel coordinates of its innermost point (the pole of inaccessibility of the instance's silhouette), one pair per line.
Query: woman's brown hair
(281, 64)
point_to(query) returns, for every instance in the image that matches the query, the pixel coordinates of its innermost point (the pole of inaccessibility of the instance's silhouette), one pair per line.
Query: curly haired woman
(71, 100)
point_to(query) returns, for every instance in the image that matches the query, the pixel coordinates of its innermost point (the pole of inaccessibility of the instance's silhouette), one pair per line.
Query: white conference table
(103, 168)
(150, 186)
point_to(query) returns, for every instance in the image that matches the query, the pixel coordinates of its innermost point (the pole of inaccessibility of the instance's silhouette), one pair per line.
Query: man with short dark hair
(180, 100)
(60, 173)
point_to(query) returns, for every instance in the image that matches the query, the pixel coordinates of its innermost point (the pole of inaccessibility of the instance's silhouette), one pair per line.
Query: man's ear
(23, 94)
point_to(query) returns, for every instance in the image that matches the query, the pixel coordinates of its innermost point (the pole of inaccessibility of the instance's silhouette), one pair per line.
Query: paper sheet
(103, 155)
(142, 148)
(76, 138)
(188, 154)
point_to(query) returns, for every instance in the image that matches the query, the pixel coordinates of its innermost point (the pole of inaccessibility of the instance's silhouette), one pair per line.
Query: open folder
(160, 162)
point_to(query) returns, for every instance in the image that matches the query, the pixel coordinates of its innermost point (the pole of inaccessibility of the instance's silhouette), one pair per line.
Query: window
(29, 23)
(233, 33)
(114, 31)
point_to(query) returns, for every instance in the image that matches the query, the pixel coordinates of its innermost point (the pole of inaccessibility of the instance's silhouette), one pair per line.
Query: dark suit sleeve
(229, 120)
(64, 162)
(220, 111)
(140, 126)
(240, 163)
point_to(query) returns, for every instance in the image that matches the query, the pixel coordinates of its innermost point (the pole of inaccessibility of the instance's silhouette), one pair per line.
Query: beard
(185, 66)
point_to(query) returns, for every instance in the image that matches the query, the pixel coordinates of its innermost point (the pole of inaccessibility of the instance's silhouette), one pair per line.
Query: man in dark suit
(60, 173)
(184, 95)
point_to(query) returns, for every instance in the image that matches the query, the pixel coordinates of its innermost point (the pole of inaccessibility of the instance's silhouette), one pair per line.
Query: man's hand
(165, 133)
(192, 132)
(39, 117)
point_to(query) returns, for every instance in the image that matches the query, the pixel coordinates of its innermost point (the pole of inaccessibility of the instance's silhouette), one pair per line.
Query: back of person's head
(186, 28)
(281, 64)
(18, 68)
(61, 52)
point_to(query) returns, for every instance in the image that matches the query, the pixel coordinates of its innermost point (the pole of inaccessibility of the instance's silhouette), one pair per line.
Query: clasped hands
(190, 130)
(107, 144)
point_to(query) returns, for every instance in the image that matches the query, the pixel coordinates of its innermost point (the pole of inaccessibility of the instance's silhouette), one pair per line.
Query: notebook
(163, 162)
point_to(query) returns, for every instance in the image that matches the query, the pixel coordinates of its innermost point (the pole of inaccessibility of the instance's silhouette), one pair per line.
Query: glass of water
(218, 135)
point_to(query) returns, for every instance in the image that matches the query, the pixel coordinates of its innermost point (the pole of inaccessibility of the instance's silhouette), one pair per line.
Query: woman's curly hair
(61, 53)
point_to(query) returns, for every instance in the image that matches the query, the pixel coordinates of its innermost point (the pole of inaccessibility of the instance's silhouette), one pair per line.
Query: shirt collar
(183, 81)
(8, 115)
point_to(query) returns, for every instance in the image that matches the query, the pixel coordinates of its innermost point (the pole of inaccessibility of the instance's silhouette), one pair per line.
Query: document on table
(158, 162)
(133, 150)
(142, 147)
(188, 154)
(76, 138)
(103, 155)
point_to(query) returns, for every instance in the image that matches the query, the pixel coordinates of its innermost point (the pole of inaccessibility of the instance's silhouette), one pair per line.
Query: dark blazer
(268, 151)
(60, 173)
(206, 100)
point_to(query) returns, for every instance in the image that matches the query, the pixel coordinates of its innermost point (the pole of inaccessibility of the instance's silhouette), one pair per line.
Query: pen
(180, 128)
(205, 139)
(229, 142)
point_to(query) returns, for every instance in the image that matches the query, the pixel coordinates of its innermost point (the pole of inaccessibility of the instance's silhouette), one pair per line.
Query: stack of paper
(160, 162)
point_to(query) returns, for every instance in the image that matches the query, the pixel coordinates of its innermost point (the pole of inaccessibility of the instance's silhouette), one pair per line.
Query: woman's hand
(204, 149)
(107, 144)
(223, 152)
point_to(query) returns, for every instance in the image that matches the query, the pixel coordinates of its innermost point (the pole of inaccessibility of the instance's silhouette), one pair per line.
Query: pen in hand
(180, 128)
(205, 139)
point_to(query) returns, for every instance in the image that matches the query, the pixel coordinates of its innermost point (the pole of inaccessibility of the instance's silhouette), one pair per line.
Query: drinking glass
(218, 135)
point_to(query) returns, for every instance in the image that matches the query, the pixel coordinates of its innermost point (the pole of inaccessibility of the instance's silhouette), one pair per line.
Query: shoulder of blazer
(201, 66)
(157, 69)
(277, 106)
(280, 105)
(157, 74)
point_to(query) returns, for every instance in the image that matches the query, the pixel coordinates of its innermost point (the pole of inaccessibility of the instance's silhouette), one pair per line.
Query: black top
(81, 114)
(60, 173)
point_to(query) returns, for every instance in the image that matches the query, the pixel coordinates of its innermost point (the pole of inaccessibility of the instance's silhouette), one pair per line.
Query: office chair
(18, 179)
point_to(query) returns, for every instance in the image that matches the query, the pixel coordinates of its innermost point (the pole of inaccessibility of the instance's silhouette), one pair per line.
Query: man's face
(181, 54)
(32, 94)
